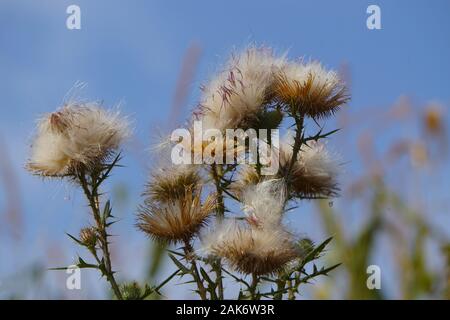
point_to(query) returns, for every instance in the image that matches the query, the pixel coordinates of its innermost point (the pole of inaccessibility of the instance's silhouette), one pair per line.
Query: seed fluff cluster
(310, 89)
(236, 96)
(256, 80)
(255, 89)
(173, 210)
(261, 245)
(77, 135)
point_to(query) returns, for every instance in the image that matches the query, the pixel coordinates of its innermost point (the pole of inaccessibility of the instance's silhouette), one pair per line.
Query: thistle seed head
(252, 251)
(314, 173)
(237, 95)
(78, 135)
(168, 184)
(176, 220)
(309, 89)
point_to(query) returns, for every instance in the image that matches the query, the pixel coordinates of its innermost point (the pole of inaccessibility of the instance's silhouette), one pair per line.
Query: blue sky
(131, 53)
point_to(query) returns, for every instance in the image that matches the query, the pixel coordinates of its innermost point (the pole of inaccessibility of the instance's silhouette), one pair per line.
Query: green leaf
(58, 268)
(83, 265)
(107, 211)
(315, 253)
(180, 266)
(175, 253)
(236, 278)
(76, 240)
(205, 276)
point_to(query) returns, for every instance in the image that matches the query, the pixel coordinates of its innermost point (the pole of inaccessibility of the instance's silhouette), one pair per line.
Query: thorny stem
(291, 291)
(219, 277)
(188, 251)
(298, 141)
(220, 212)
(253, 287)
(93, 198)
(217, 176)
(280, 289)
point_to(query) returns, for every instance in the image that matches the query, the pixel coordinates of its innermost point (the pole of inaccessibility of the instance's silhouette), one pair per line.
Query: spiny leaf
(316, 251)
(236, 278)
(175, 253)
(107, 211)
(205, 276)
(180, 266)
(76, 240)
(82, 264)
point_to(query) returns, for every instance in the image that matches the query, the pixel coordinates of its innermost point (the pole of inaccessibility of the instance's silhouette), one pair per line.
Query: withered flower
(170, 183)
(76, 135)
(314, 173)
(177, 220)
(309, 89)
(263, 203)
(246, 176)
(252, 251)
(236, 96)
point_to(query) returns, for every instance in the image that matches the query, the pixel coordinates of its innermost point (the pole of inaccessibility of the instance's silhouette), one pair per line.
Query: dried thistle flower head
(263, 203)
(176, 220)
(88, 236)
(310, 89)
(170, 183)
(246, 176)
(314, 173)
(252, 251)
(76, 135)
(236, 96)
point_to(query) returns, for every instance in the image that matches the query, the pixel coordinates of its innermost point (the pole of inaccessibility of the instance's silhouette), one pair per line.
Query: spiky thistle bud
(131, 291)
(88, 237)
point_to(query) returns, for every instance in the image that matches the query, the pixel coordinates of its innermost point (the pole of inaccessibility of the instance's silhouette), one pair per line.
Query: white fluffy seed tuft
(236, 95)
(77, 134)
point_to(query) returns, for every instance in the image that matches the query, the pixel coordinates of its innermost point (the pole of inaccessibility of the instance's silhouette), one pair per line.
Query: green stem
(217, 176)
(93, 198)
(217, 173)
(280, 289)
(291, 291)
(298, 141)
(253, 287)
(194, 270)
(219, 282)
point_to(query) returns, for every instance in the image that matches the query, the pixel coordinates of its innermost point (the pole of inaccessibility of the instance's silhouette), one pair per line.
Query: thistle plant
(190, 207)
(80, 143)
(255, 89)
